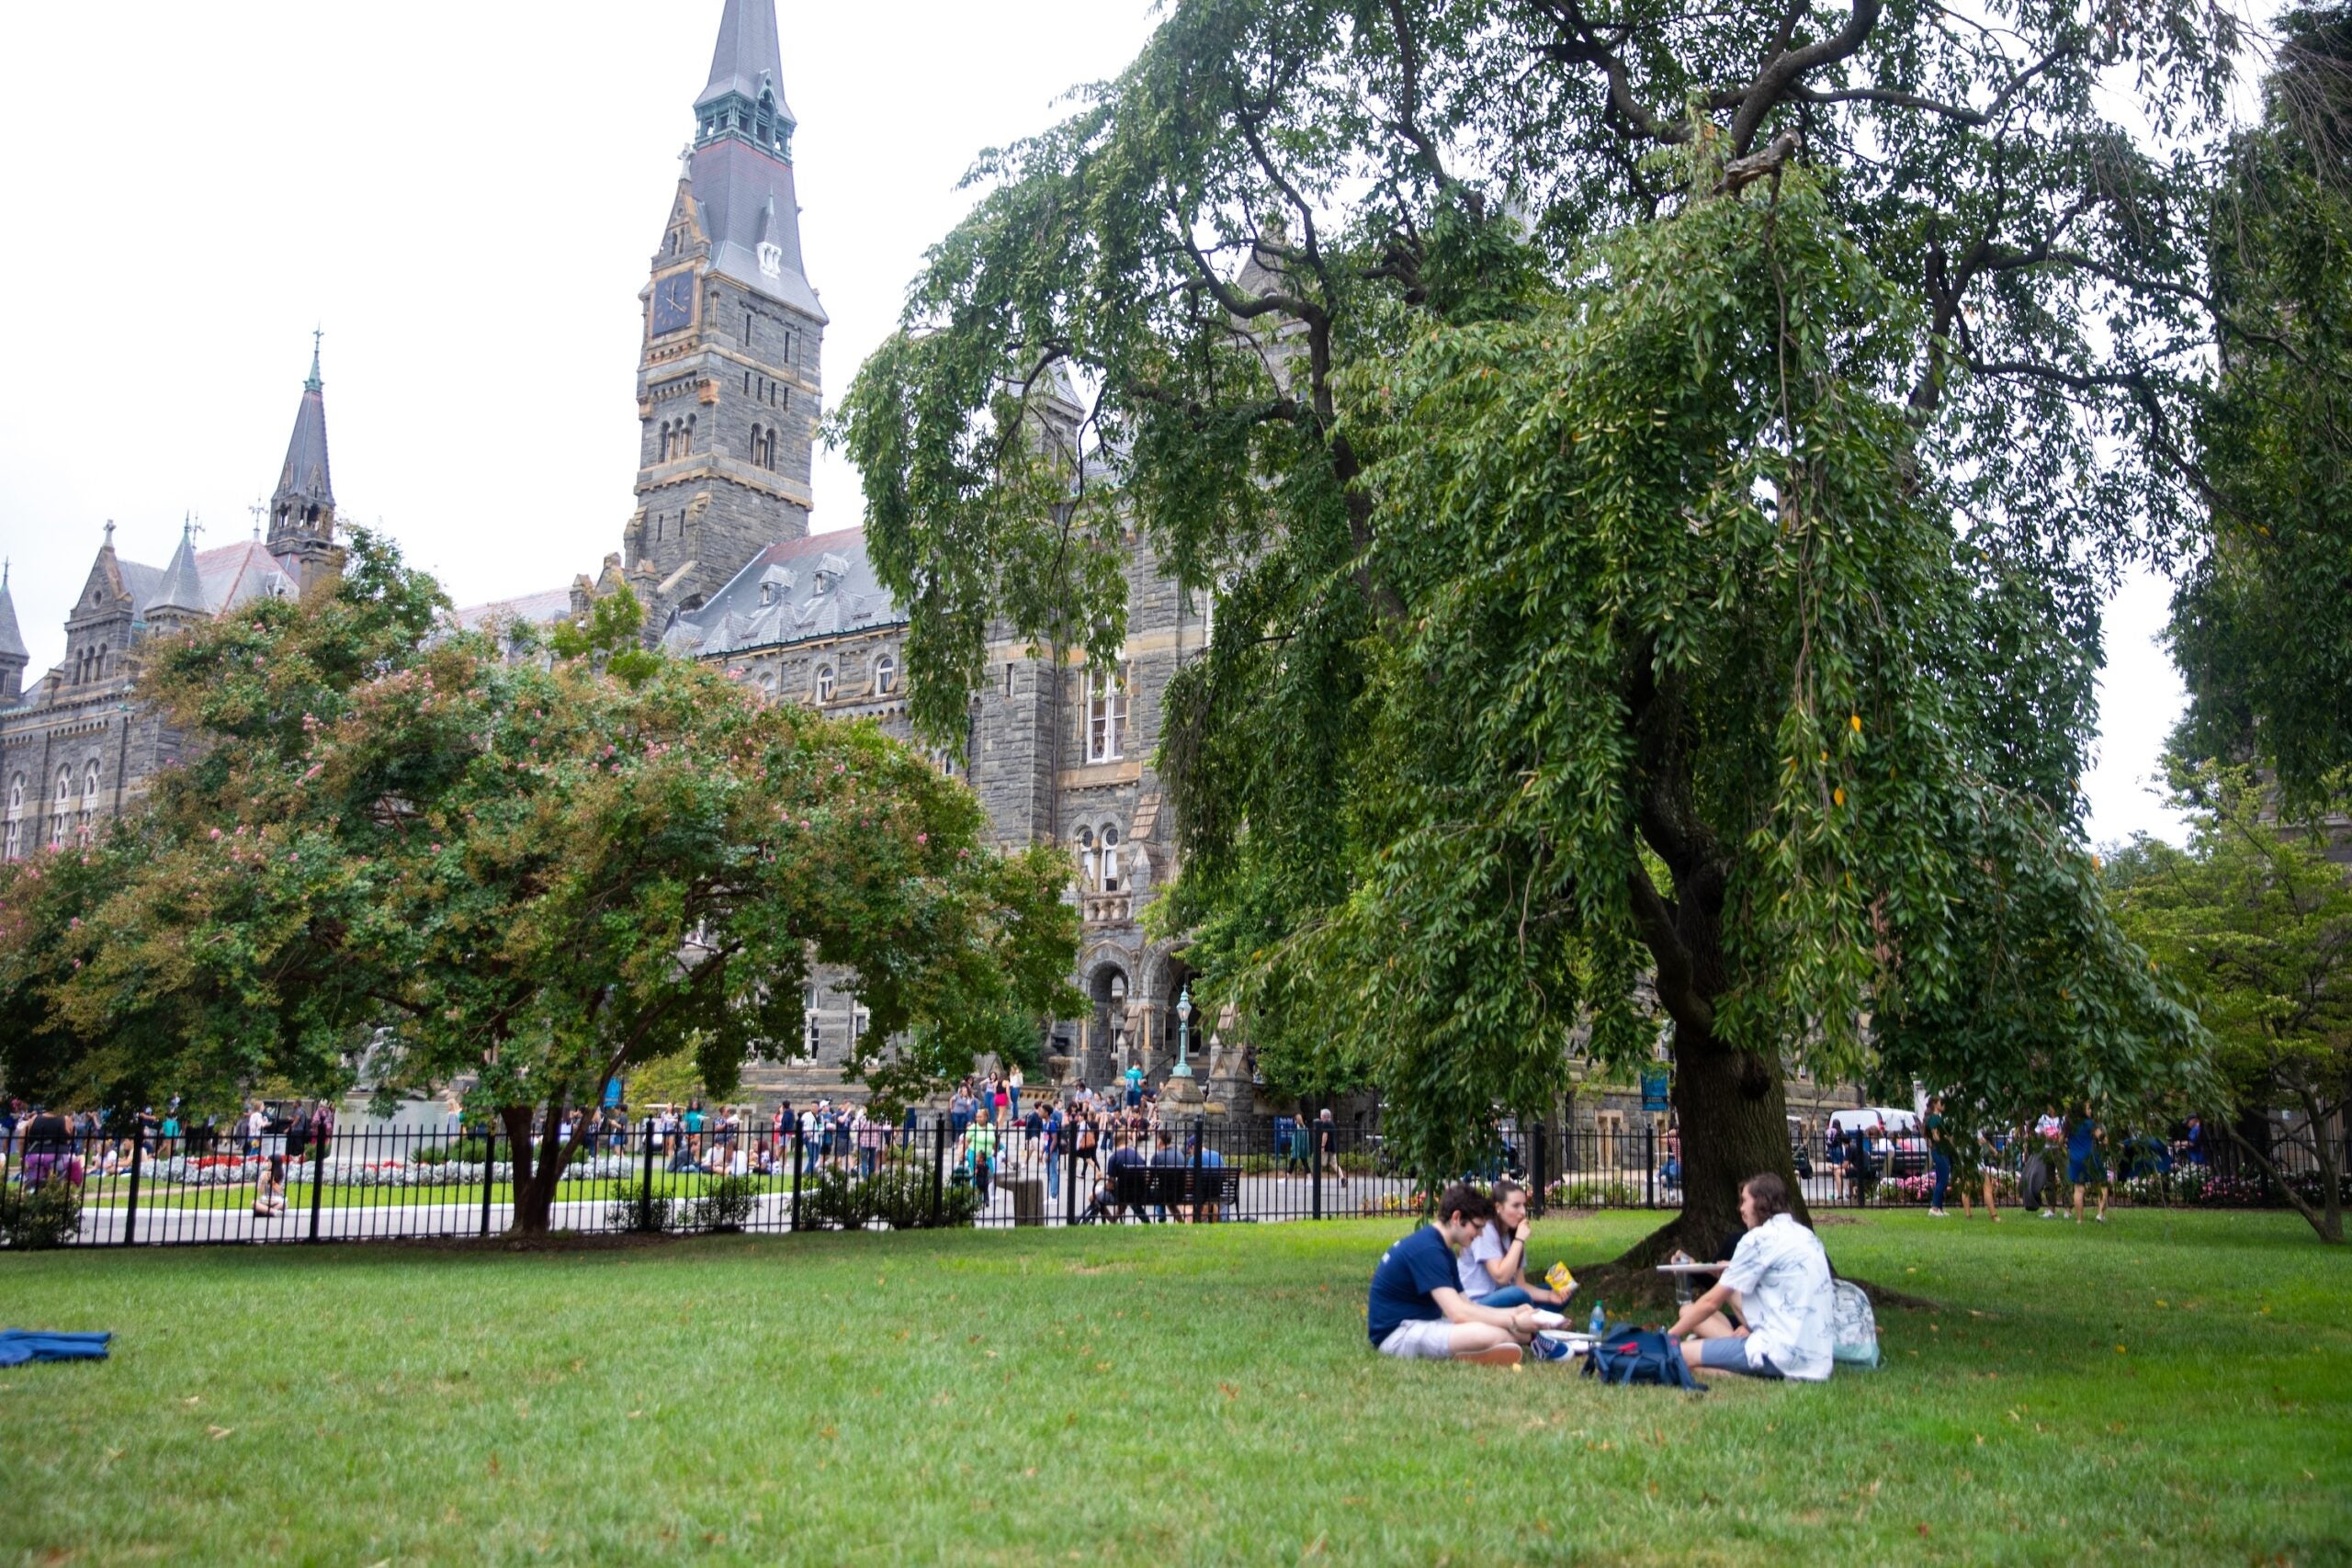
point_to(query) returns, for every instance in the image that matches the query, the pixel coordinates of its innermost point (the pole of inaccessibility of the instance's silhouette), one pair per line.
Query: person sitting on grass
(1417, 1310)
(270, 1192)
(1777, 1281)
(1493, 1270)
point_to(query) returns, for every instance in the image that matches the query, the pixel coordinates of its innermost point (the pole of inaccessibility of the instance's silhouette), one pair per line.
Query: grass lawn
(2169, 1388)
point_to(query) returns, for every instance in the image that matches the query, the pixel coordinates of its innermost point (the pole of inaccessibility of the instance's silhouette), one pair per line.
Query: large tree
(1635, 560)
(410, 853)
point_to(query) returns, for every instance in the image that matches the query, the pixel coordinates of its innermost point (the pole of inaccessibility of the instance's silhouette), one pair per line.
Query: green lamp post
(1183, 1068)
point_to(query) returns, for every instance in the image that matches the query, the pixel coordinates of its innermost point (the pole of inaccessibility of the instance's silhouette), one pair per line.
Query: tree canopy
(2262, 624)
(407, 855)
(2256, 922)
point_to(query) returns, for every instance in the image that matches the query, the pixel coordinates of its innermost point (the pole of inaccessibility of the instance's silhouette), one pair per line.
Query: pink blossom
(922, 837)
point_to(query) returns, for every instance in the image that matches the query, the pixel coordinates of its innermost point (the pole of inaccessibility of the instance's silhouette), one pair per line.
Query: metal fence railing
(393, 1183)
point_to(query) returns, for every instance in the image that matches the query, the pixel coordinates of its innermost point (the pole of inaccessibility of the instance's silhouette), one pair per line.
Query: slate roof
(822, 585)
(228, 577)
(538, 609)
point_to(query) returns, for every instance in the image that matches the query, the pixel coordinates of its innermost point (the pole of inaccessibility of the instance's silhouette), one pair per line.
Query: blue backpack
(1629, 1355)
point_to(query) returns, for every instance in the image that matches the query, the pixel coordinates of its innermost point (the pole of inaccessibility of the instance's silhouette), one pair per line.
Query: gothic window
(16, 839)
(665, 442)
(89, 801)
(886, 676)
(824, 682)
(16, 793)
(1110, 862)
(57, 808)
(1106, 712)
(1086, 857)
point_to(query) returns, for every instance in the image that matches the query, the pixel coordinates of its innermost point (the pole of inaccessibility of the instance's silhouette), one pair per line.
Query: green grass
(2174, 1387)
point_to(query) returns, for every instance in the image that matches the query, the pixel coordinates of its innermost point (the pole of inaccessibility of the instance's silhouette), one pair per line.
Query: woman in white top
(1493, 1268)
(1779, 1279)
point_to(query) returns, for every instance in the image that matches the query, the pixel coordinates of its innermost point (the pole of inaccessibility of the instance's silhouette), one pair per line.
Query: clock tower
(728, 385)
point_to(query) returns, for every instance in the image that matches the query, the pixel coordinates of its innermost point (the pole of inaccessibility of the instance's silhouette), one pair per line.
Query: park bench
(1144, 1187)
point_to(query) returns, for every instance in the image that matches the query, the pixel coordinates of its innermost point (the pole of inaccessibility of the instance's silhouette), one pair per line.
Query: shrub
(835, 1198)
(1593, 1195)
(640, 1212)
(42, 1217)
(725, 1205)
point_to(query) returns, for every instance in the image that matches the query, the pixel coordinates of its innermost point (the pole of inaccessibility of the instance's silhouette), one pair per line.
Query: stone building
(729, 387)
(75, 750)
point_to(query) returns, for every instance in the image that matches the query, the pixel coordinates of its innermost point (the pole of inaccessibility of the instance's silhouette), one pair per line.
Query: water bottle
(1599, 1323)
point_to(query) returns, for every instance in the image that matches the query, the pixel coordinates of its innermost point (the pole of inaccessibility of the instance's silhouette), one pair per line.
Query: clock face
(673, 303)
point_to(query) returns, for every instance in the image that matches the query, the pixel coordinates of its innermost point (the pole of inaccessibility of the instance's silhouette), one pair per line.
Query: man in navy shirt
(1416, 1309)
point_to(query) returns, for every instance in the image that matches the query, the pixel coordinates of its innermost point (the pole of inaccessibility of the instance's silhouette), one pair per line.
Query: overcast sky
(466, 197)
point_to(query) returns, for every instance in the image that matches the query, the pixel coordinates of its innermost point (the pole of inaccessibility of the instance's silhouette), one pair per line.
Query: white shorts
(1420, 1339)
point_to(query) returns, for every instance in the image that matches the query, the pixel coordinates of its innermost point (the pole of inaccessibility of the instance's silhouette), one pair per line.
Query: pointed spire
(182, 585)
(748, 62)
(741, 171)
(12, 641)
(303, 504)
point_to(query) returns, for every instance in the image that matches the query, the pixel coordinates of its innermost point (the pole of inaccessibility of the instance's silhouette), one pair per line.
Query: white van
(1892, 1126)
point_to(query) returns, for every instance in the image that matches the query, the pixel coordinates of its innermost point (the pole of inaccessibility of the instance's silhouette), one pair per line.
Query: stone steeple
(301, 510)
(13, 657)
(728, 389)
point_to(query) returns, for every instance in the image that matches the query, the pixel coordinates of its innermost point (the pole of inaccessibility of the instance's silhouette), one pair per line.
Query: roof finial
(687, 164)
(260, 509)
(109, 533)
(4, 571)
(313, 384)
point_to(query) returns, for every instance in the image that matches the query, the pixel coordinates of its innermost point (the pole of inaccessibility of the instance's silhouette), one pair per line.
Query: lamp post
(1183, 1068)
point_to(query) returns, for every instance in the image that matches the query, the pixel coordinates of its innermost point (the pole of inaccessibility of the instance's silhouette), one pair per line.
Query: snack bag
(1558, 1278)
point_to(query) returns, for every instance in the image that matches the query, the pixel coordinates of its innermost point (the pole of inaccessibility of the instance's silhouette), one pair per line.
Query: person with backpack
(1417, 1311)
(1778, 1282)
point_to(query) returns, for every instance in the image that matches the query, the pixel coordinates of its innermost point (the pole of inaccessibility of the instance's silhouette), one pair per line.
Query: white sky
(466, 197)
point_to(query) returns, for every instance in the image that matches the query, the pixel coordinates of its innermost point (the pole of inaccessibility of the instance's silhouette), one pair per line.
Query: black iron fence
(377, 1184)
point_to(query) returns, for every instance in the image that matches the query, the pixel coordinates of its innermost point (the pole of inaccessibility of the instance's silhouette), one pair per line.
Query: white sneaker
(2049, 1213)
(1938, 1213)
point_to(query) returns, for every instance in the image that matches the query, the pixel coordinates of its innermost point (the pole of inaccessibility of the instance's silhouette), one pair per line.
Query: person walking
(1327, 1147)
(2084, 1164)
(1012, 1082)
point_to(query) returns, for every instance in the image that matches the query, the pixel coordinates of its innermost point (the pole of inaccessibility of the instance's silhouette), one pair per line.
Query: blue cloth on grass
(19, 1346)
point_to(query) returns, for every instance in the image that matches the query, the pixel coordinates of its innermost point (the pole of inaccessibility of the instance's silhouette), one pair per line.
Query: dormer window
(824, 682)
(886, 676)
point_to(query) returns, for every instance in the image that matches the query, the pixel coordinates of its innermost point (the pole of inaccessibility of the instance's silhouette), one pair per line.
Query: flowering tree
(404, 847)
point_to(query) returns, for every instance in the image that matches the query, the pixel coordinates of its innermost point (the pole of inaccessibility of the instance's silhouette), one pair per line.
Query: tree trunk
(538, 1165)
(1733, 1115)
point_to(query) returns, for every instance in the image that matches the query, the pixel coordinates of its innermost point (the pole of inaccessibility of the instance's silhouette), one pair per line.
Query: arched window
(663, 448)
(89, 800)
(1110, 882)
(16, 793)
(57, 808)
(1086, 857)
(824, 682)
(886, 676)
